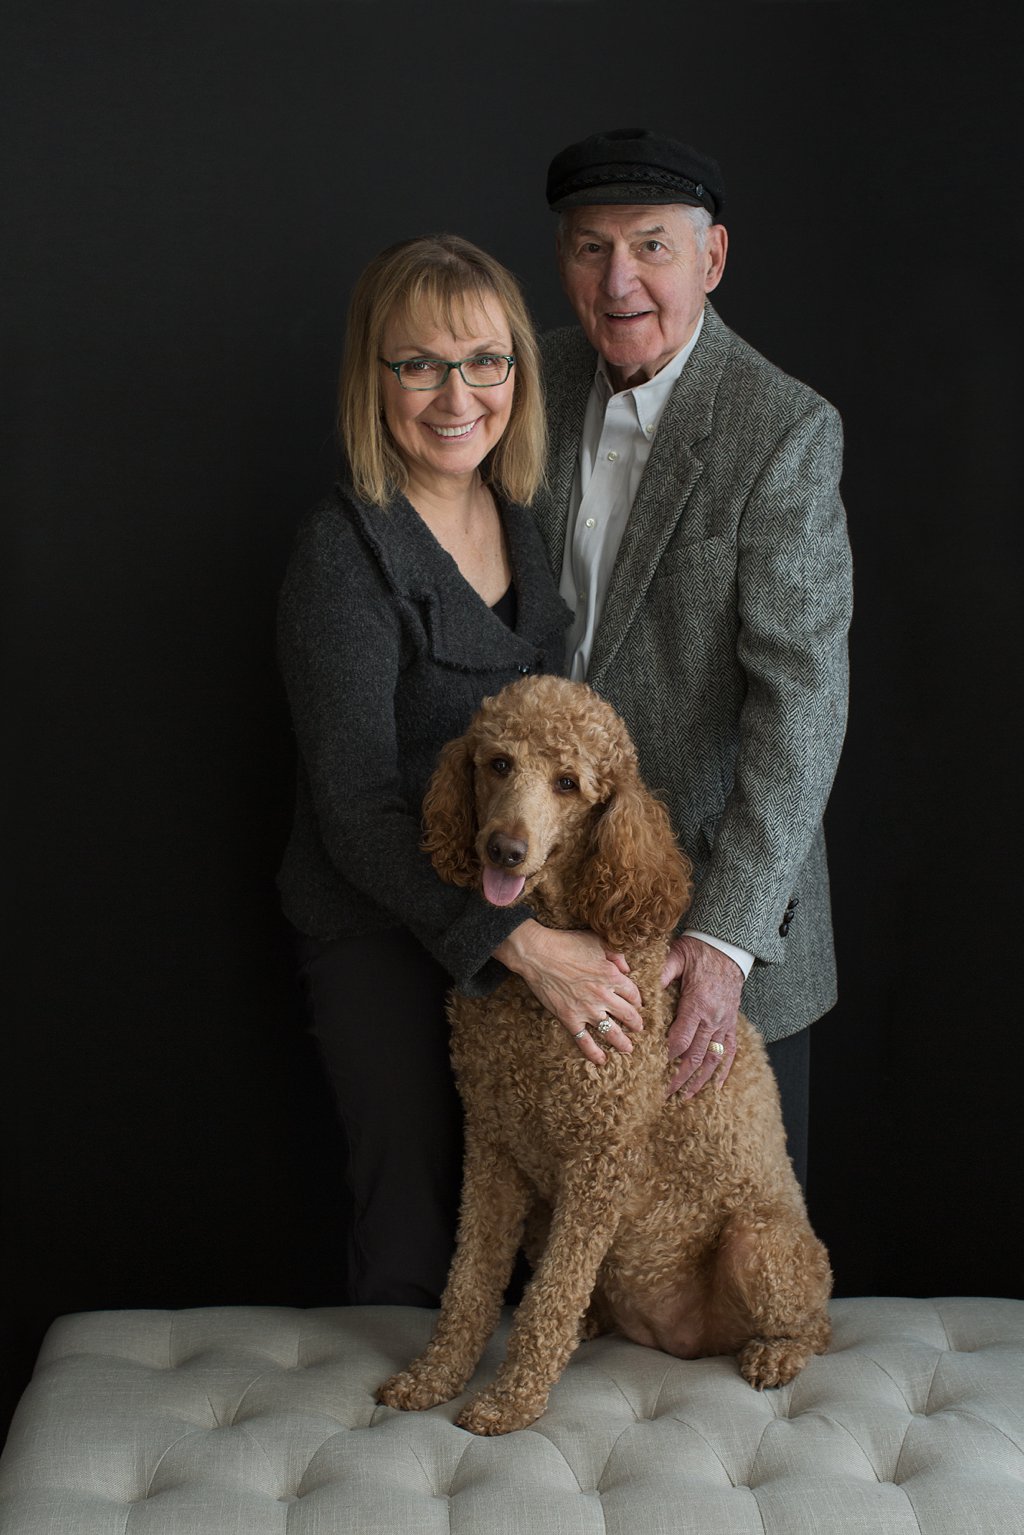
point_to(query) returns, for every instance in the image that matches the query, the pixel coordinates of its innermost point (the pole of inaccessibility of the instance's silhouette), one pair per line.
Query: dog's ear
(449, 815)
(635, 884)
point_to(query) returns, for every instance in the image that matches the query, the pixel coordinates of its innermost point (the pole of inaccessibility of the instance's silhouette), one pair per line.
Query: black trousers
(791, 1062)
(376, 1007)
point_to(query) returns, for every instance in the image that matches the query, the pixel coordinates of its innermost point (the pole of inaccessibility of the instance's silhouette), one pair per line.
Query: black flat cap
(634, 165)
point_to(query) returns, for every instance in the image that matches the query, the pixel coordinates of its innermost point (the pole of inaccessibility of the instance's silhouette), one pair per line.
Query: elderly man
(693, 509)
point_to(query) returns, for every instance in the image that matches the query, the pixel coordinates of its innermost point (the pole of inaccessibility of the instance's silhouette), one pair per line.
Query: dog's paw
(596, 1320)
(768, 1362)
(413, 1390)
(491, 1412)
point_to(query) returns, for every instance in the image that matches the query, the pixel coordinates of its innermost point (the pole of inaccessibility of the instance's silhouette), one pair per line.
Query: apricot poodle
(678, 1224)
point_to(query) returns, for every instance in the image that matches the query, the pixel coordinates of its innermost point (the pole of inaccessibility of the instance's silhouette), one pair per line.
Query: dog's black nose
(505, 852)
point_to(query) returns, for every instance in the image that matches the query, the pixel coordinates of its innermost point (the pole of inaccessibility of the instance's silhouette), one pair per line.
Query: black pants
(375, 1006)
(791, 1063)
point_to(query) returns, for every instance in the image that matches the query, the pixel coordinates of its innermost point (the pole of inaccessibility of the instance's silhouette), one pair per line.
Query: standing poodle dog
(679, 1224)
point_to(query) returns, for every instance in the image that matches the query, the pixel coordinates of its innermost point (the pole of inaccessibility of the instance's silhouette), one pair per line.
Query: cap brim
(632, 192)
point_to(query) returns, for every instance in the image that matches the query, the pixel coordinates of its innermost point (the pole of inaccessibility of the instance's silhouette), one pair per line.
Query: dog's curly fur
(680, 1224)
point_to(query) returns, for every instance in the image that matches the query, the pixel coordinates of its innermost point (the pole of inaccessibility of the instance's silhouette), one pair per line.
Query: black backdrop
(193, 189)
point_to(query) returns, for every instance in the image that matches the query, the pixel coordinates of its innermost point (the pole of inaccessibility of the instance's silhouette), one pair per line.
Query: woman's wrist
(513, 951)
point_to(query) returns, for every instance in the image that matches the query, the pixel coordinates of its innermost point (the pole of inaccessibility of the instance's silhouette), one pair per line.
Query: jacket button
(784, 929)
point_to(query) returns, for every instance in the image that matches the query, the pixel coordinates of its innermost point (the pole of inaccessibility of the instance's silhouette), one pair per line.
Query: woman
(416, 589)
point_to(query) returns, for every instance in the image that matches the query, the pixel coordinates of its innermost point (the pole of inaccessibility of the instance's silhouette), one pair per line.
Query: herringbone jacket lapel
(672, 471)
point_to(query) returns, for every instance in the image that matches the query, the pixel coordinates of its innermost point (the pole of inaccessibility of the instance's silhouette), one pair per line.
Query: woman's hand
(574, 977)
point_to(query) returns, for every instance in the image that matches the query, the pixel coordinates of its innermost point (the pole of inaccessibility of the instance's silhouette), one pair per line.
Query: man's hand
(709, 1002)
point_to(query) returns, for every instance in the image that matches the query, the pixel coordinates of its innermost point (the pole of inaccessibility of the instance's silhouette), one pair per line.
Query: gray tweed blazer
(723, 644)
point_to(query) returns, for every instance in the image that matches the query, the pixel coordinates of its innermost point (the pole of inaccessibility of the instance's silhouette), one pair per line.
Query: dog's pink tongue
(501, 889)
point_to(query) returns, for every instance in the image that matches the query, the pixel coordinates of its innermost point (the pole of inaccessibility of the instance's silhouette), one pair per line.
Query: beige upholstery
(255, 1421)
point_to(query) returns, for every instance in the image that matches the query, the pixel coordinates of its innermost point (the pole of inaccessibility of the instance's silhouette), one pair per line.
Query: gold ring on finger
(716, 1047)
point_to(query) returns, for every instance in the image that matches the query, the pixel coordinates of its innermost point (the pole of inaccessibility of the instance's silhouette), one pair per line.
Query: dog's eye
(501, 765)
(566, 785)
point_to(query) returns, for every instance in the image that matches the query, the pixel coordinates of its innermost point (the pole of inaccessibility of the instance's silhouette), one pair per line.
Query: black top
(386, 652)
(505, 607)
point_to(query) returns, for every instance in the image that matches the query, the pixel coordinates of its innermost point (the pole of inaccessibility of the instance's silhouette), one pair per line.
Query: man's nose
(619, 273)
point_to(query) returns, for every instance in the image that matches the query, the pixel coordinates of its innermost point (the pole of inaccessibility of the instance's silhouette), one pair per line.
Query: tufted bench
(253, 1421)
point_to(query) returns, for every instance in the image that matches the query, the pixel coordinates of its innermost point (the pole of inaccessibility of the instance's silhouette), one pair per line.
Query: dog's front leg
(547, 1324)
(495, 1199)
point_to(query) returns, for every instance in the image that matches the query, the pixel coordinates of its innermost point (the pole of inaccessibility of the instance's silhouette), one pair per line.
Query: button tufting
(859, 1439)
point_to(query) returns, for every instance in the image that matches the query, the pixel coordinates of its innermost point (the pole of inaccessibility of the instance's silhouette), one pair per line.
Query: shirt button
(649, 430)
(581, 596)
(612, 456)
(591, 522)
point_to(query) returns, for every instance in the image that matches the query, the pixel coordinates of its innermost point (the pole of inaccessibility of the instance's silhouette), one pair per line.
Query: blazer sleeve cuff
(741, 957)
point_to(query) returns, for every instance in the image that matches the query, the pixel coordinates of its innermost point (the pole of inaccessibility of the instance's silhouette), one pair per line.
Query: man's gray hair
(700, 220)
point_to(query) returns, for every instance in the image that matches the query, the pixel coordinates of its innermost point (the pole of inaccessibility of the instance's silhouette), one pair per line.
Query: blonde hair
(439, 274)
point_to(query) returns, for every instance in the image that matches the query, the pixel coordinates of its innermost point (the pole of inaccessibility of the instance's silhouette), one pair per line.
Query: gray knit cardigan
(386, 652)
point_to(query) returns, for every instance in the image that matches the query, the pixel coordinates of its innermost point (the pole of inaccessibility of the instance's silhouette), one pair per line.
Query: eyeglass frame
(508, 357)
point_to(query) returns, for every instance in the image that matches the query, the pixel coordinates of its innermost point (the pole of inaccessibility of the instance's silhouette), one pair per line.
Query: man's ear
(716, 248)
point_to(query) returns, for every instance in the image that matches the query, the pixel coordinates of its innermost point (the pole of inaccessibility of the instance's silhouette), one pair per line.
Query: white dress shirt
(618, 431)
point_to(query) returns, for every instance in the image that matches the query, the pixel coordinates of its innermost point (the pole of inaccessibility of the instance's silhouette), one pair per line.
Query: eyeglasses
(480, 372)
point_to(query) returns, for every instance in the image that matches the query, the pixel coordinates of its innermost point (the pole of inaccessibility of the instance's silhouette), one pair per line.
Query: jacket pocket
(710, 556)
